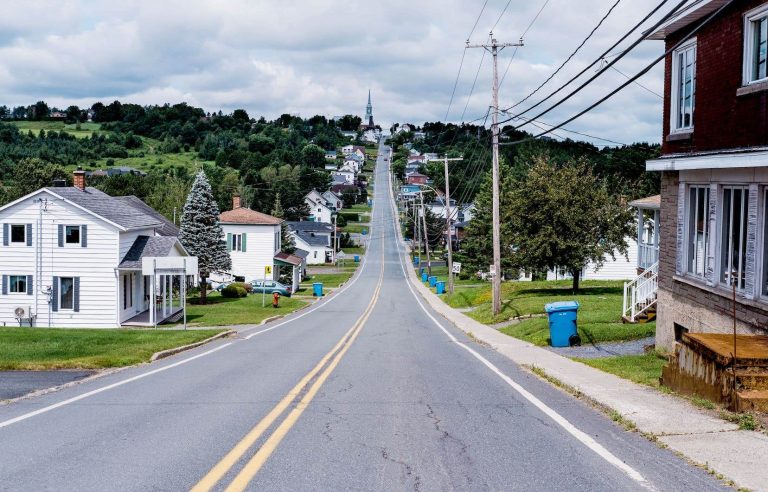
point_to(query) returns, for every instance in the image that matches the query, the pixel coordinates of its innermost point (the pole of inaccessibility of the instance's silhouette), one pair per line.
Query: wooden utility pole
(494, 49)
(426, 233)
(448, 215)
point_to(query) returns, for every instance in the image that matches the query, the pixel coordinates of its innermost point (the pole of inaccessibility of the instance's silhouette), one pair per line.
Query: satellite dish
(19, 312)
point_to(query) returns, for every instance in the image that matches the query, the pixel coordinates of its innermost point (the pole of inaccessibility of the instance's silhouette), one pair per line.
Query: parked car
(221, 286)
(270, 286)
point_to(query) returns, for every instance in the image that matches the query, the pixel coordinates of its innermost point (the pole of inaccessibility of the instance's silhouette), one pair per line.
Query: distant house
(417, 178)
(119, 171)
(345, 176)
(334, 199)
(340, 188)
(330, 155)
(320, 210)
(315, 239)
(77, 257)
(331, 166)
(57, 115)
(253, 240)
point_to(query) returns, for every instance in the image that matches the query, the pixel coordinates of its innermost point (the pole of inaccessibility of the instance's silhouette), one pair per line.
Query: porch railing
(640, 294)
(648, 254)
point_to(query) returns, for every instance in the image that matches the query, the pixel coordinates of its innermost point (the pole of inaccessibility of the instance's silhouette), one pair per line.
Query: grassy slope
(643, 369)
(330, 280)
(220, 311)
(42, 348)
(86, 129)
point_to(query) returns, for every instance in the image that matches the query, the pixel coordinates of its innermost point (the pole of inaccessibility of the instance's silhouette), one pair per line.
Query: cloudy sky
(322, 56)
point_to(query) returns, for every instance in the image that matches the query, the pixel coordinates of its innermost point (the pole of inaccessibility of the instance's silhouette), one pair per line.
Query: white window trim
(10, 283)
(686, 233)
(237, 242)
(674, 89)
(79, 240)
(60, 291)
(749, 18)
(11, 242)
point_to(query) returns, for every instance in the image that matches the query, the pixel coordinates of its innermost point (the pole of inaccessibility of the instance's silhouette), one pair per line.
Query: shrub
(233, 291)
(244, 285)
(341, 221)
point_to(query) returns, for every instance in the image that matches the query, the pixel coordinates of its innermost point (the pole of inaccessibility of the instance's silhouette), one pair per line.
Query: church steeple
(369, 111)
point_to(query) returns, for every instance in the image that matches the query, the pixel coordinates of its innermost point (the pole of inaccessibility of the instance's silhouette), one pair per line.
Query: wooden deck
(142, 319)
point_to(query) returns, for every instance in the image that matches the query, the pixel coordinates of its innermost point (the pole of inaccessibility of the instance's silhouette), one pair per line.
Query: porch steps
(751, 380)
(174, 318)
(645, 316)
(752, 401)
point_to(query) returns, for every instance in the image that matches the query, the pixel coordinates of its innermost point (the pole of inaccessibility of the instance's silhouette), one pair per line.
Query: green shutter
(229, 241)
(242, 241)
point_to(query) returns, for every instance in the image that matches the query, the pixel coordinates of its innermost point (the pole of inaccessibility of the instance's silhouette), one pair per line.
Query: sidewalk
(708, 441)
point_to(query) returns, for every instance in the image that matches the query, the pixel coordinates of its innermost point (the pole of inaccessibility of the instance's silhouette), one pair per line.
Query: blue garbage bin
(440, 288)
(317, 289)
(370, 202)
(357, 258)
(562, 323)
(365, 232)
(424, 276)
(416, 260)
(432, 281)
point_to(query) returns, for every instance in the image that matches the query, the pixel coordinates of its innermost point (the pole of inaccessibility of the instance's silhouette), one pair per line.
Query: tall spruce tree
(287, 244)
(201, 233)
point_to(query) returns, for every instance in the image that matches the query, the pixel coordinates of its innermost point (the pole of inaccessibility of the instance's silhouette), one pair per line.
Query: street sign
(492, 270)
(456, 267)
(267, 270)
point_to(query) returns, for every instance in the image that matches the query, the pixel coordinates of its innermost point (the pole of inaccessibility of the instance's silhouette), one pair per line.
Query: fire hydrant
(275, 300)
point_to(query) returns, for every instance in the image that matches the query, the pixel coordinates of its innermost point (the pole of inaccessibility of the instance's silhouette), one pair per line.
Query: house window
(698, 230)
(755, 45)
(237, 242)
(683, 86)
(127, 291)
(733, 247)
(18, 284)
(72, 235)
(66, 293)
(18, 233)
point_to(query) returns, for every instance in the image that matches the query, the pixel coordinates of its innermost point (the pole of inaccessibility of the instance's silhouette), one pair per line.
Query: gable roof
(650, 202)
(311, 239)
(166, 227)
(247, 216)
(109, 208)
(301, 253)
(147, 247)
(289, 258)
(309, 226)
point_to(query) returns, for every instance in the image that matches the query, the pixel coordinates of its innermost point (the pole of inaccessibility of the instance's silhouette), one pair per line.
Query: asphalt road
(364, 391)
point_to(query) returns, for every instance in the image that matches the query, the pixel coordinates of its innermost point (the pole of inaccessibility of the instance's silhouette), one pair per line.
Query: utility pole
(335, 241)
(448, 214)
(494, 49)
(426, 233)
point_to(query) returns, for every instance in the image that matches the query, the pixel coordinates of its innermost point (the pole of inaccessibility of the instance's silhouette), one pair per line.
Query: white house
(354, 162)
(320, 210)
(620, 268)
(334, 199)
(77, 257)
(253, 240)
(295, 264)
(346, 176)
(314, 238)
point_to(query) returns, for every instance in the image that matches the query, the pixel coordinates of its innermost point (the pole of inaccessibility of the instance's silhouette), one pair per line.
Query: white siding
(127, 239)
(94, 265)
(260, 249)
(618, 269)
(316, 254)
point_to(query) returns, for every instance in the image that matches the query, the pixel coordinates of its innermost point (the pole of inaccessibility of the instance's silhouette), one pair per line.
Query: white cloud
(271, 57)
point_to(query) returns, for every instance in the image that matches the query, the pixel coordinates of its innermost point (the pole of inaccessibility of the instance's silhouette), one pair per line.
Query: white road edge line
(108, 387)
(559, 419)
(74, 399)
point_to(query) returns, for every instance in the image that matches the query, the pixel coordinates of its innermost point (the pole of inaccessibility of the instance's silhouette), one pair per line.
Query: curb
(173, 351)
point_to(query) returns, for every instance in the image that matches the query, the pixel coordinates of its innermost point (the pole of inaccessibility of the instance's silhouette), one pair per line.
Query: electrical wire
(639, 84)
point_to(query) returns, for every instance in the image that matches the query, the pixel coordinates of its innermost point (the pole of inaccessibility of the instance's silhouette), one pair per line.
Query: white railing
(648, 254)
(640, 293)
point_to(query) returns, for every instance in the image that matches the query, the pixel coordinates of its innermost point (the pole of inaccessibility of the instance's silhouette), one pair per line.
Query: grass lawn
(86, 129)
(356, 227)
(220, 311)
(58, 348)
(360, 207)
(643, 369)
(599, 315)
(357, 250)
(330, 280)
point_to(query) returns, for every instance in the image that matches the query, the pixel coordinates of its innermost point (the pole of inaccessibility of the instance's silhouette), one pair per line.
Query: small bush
(233, 291)
(244, 285)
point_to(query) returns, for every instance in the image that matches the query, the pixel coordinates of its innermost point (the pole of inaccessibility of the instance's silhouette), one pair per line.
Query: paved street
(366, 390)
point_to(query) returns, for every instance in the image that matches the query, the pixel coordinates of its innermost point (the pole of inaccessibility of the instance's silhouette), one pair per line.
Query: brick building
(714, 166)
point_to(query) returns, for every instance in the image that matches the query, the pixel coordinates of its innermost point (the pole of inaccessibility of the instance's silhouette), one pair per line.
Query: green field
(86, 129)
(57, 348)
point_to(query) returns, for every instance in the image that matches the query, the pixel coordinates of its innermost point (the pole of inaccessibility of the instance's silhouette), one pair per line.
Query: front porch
(144, 319)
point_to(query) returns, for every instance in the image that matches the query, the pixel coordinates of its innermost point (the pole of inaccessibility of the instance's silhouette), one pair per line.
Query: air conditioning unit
(23, 314)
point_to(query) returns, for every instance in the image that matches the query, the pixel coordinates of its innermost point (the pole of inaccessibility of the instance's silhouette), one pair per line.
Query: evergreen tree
(201, 233)
(287, 243)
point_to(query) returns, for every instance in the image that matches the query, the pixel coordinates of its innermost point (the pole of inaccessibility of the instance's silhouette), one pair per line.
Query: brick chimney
(79, 179)
(236, 202)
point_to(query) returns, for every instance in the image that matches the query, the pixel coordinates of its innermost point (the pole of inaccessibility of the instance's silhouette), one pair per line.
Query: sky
(321, 57)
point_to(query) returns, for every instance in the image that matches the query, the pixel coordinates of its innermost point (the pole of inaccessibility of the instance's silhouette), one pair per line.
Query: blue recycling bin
(365, 232)
(416, 260)
(317, 289)
(562, 323)
(370, 202)
(421, 271)
(357, 258)
(424, 276)
(432, 281)
(440, 288)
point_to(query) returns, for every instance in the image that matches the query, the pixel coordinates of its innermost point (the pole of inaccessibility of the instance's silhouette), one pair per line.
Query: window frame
(750, 18)
(721, 219)
(23, 242)
(675, 88)
(61, 294)
(79, 242)
(237, 242)
(707, 227)
(11, 285)
(761, 255)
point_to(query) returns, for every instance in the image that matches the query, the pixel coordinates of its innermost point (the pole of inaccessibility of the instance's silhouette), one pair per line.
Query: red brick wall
(722, 119)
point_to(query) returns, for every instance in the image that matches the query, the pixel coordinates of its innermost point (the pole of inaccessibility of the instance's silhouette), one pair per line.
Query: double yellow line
(305, 390)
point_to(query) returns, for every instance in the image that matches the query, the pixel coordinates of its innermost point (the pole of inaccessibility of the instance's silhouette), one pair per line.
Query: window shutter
(242, 241)
(6, 237)
(229, 241)
(76, 294)
(681, 200)
(29, 234)
(84, 236)
(713, 236)
(751, 256)
(30, 285)
(55, 294)
(5, 285)
(61, 235)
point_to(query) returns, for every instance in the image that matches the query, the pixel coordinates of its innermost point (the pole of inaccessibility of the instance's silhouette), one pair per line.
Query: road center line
(556, 417)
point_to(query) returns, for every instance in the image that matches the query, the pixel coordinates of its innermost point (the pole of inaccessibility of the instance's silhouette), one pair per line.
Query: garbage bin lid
(561, 306)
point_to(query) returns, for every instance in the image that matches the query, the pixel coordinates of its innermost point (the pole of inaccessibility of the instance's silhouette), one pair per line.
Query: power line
(568, 59)
(534, 122)
(635, 77)
(638, 83)
(514, 53)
